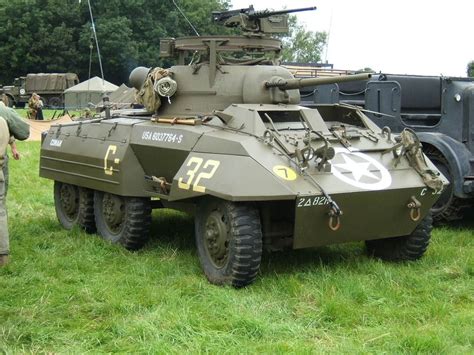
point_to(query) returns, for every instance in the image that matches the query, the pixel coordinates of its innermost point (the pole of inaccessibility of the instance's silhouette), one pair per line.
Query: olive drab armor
(231, 145)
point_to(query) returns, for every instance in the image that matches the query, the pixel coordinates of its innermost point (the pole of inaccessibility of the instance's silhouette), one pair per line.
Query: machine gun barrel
(266, 13)
(289, 84)
(222, 16)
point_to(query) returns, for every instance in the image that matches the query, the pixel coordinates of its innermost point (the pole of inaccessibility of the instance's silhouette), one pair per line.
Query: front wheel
(74, 205)
(405, 248)
(448, 207)
(229, 241)
(123, 220)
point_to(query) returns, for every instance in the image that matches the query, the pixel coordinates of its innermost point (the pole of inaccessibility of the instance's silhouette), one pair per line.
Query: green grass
(47, 113)
(72, 292)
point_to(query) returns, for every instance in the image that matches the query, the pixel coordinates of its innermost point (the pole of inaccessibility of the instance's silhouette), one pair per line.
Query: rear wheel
(123, 220)
(229, 241)
(405, 248)
(54, 102)
(74, 206)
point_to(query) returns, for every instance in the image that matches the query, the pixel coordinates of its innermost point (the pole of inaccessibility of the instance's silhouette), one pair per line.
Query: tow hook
(334, 220)
(415, 209)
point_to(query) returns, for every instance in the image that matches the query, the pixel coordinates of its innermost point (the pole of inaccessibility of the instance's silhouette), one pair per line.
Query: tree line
(56, 35)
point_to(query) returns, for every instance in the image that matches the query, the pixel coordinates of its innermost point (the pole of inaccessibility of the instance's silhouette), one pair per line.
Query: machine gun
(249, 20)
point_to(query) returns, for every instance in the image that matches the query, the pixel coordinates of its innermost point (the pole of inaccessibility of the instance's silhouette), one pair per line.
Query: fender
(456, 154)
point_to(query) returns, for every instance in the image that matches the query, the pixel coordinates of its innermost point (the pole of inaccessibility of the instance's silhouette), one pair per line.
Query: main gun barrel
(289, 84)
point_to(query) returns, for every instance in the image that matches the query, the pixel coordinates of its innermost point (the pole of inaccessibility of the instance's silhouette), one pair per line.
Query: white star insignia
(358, 170)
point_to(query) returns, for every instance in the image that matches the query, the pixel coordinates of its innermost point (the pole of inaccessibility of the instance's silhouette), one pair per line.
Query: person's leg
(5, 173)
(32, 114)
(4, 240)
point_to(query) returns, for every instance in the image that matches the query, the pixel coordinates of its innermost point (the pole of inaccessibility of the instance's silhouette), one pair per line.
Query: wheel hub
(217, 238)
(69, 198)
(114, 211)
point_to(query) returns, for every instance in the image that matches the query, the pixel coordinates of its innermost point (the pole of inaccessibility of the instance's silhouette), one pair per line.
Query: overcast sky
(403, 36)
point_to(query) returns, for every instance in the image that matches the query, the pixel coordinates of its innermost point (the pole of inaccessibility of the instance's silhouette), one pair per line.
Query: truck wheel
(229, 241)
(74, 206)
(448, 207)
(123, 220)
(54, 102)
(405, 248)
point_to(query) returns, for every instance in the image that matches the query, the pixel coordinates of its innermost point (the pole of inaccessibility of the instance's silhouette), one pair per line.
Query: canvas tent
(90, 91)
(122, 98)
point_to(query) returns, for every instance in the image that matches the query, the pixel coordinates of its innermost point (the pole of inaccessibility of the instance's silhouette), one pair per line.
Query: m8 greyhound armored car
(223, 137)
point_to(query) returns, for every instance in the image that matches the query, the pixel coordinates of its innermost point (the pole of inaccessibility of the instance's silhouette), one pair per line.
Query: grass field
(69, 292)
(47, 114)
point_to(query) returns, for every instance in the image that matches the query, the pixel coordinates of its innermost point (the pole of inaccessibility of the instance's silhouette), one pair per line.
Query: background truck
(50, 86)
(441, 111)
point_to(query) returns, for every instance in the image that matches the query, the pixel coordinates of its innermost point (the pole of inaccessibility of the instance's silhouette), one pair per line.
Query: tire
(54, 102)
(74, 206)
(123, 220)
(229, 241)
(405, 248)
(448, 207)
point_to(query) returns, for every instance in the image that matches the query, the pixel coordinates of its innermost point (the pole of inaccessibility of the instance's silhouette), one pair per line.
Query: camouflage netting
(147, 96)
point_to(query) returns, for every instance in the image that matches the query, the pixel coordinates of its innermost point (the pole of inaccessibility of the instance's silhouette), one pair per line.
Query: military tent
(91, 91)
(122, 98)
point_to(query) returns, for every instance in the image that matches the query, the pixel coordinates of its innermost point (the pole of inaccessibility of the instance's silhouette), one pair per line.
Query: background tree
(470, 69)
(301, 45)
(55, 35)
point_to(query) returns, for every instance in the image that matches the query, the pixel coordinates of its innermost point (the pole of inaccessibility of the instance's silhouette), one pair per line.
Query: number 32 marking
(208, 170)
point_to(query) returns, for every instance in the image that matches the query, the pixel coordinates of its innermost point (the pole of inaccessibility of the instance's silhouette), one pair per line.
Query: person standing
(35, 107)
(15, 152)
(11, 125)
(4, 238)
(40, 109)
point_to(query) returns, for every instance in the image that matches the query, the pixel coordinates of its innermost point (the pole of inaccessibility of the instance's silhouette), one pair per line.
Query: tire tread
(406, 248)
(248, 240)
(139, 221)
(136, 229)
(86, 218)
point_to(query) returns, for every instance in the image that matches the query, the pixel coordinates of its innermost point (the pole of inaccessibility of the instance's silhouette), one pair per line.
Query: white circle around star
(358, 165)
